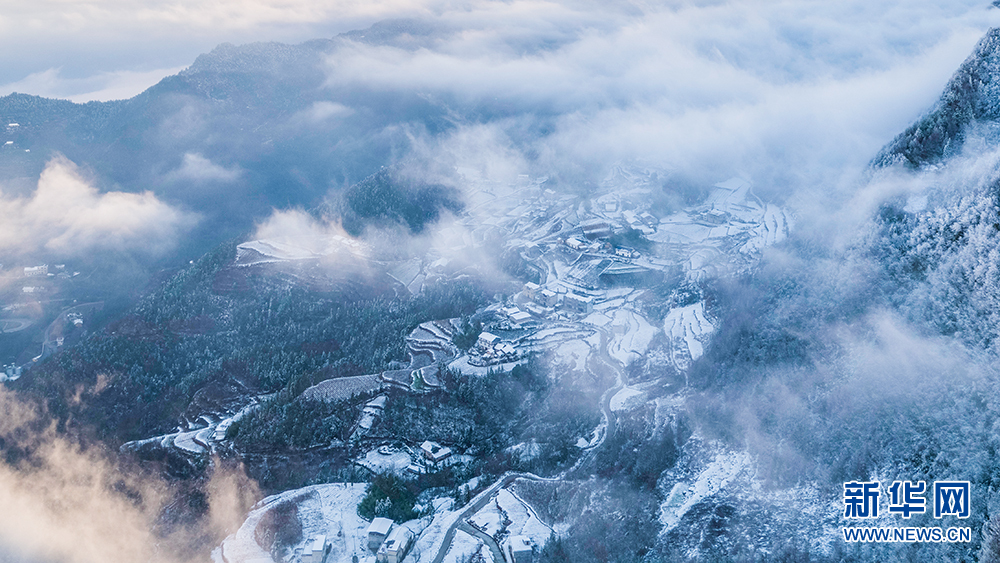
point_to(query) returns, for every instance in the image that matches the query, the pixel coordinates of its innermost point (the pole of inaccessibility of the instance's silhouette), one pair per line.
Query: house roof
(380, 526)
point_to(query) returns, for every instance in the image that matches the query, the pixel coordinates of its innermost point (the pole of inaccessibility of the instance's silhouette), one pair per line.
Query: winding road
(579, 470)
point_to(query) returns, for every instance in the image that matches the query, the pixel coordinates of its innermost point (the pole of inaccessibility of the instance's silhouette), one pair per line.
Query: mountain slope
(970, 104)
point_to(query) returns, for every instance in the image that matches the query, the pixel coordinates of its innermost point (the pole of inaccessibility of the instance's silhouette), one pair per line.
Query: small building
(547, 298)
(377, 532)
(517, 549)
(507, 352)
(519, 317)
(32, 271)
(395, 547)
(487, 340)
(623, 252)
(316, 550)
(530, 289)
(596, 228)
(575, 243)
(579, 304)
(434, 452)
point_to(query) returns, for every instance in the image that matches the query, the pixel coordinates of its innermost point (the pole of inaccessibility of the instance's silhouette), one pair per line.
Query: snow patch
(686, 328)
(627, 399)
(683, 496)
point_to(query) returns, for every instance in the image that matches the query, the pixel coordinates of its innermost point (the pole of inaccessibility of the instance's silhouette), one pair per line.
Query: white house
(548, 298)
(487, 340)
(395, 547)
(578, 303)
(316, 550)
(435, 452)
(32, 271)
(377, 532)
(517, 549)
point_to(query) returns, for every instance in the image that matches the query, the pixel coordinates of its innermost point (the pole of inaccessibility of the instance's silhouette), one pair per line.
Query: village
(591, 280)
(33, 295)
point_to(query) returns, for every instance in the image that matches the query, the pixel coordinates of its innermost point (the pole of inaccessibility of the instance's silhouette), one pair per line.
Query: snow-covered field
(632, 334)
(523, 520)
(686, 329)
(507, 515)
(323, 509)
(395, 461)
(574, 353)
(627, 398)
(709, 481)
(463, 547)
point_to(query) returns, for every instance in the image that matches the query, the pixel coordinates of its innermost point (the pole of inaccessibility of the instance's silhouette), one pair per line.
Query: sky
(109, 49)
(794, 95)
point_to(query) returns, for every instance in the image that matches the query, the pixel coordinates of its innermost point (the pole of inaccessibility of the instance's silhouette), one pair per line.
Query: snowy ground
(323, 509)
(574, 353)
(429, 541)
(523, 520)
(686, 329)
(627, 399)
(342, 388)
(632, 334)
(463, 547)
(507, 515)
(713, 478)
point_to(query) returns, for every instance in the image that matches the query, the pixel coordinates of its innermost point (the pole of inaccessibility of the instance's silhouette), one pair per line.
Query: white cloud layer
(67, 215)
(576, 53)
(792, 93)
(200, 169)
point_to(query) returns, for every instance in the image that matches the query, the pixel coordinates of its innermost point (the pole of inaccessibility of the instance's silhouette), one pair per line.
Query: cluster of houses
(10, 373)
(582, 246)
(389, 542)
(642, 222)
(491, 349)
(549, 300)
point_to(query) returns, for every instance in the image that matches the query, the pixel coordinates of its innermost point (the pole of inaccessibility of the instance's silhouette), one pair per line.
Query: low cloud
(795, 96)
(72, 504)
(67, 215)
(200, 169)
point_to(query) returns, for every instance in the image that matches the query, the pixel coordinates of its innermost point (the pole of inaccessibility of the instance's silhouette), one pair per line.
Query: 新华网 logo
(906, 498)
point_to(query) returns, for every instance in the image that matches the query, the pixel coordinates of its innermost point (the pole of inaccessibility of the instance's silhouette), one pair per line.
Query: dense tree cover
(943, 267)
(879, 360)
(621, 529)
(467, 334)
(487, 415)
(139, 374)
(280, 424)
(972, 95)
(639, 452)
(387, 196)
(388, 496)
